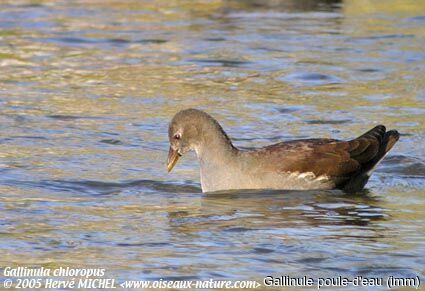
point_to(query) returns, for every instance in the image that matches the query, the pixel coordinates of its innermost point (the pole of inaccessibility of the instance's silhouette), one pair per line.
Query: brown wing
(340, 160)
(320, 156)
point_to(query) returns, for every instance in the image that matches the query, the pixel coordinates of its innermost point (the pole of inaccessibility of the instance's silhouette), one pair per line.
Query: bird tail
(369, 149)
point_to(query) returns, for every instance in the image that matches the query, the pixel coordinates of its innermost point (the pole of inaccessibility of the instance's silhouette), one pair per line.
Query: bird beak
(173, 157)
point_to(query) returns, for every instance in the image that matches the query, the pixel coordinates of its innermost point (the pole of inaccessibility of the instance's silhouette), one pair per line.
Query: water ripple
(104, 188)
(312, 79)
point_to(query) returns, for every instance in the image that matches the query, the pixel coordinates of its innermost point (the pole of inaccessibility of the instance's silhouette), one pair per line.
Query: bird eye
(177, 136)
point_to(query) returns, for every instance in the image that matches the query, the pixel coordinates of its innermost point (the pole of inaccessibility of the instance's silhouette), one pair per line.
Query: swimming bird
(304, 164)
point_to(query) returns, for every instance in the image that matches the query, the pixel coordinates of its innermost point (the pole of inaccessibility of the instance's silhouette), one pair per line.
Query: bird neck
(217, 158)
(216, 147)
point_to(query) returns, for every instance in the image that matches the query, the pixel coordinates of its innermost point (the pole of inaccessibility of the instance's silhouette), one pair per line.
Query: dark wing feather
(321, 156)
(345, 162)
(368, 150)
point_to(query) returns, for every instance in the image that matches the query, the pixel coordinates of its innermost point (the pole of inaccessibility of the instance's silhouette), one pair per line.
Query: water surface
(86, 93)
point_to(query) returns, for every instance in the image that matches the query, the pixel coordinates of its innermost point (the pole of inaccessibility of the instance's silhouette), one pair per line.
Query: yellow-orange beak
(173, 157)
